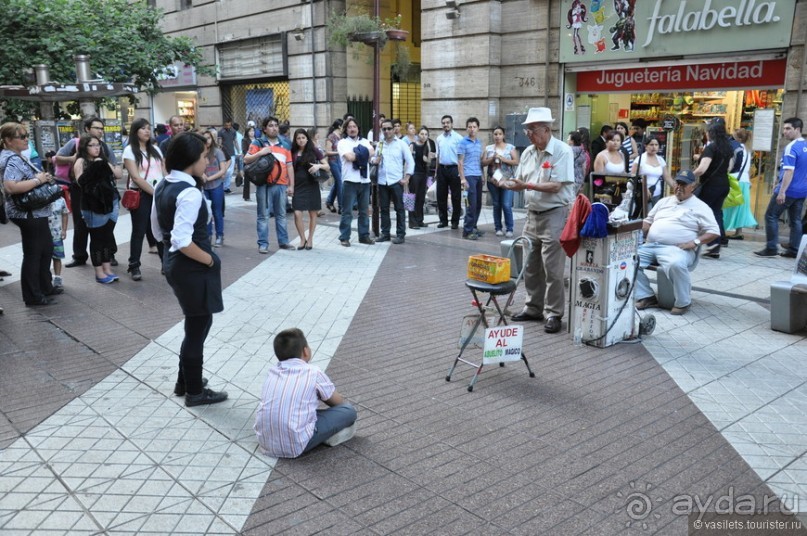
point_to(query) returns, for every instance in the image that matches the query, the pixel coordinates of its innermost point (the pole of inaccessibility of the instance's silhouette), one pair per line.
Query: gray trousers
(543, 277)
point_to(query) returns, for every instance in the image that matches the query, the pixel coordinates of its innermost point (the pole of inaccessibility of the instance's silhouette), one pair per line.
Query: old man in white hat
(546, 171)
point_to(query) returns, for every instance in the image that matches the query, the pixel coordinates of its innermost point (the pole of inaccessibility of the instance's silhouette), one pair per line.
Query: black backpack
(264, 170)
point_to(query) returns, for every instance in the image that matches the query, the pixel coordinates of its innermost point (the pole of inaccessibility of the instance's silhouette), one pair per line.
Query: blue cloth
(502, 202)
(794, 207)
(474, 204)
(362, 159)
(596, 225)
(447, 148)
(329, 422)
(336, 190)
(392, 193)
(471, 152)
(795, 158)
(216, 196)
(354, 193)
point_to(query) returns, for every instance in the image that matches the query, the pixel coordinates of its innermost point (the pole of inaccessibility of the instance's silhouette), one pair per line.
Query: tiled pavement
(712, 404)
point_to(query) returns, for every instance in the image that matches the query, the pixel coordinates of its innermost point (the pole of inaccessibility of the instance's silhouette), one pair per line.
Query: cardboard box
(489, 268)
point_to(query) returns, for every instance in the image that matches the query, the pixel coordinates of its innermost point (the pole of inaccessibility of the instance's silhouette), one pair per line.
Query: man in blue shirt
(396, 165)
(469, 155)
(448, 175)
(789, 192)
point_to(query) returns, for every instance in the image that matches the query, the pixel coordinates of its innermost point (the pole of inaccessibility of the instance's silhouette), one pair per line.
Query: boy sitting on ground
(288, 421)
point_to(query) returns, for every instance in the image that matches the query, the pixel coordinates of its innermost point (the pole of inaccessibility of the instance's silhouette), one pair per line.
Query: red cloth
(570, 237)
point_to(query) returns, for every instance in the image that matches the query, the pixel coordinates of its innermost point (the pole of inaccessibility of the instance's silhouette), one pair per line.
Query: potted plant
(402, 62)
(346, 28)
(392, 27)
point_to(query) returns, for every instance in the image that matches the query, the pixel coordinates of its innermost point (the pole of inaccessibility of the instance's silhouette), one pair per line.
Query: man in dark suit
(598, 144)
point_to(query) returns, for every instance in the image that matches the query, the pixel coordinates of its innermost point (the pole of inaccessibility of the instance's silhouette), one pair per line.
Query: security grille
(362, 109)
(406, 97)
(255, 102)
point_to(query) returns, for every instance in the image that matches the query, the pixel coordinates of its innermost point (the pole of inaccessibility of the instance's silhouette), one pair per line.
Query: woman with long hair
(713, 170)
(628, 143)
(655, 171)
(335, 195)
(19, 177)
(100, 204)
(735, 218)
(612, 160)
(308, 161)
(503, 157)
(213, 185)
(249, 137)
(424, 152)
(585, 143)
(191, 267)
(145, 164)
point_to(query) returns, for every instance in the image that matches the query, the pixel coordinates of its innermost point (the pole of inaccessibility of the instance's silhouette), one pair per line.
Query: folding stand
(493, 290)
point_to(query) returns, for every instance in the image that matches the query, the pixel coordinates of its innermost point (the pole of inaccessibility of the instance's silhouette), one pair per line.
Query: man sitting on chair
(673, 230)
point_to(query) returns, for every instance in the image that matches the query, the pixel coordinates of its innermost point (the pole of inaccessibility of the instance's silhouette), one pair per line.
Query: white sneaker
(499, 233)
(508, 234)
(341, 436)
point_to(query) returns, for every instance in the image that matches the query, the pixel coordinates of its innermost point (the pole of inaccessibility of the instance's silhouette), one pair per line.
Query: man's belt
(539, 212)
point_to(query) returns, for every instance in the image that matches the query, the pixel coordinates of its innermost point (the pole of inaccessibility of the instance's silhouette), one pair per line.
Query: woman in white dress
(735, 218)
(612, 159)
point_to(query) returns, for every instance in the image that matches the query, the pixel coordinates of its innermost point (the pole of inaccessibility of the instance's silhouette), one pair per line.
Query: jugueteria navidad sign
(593, 30)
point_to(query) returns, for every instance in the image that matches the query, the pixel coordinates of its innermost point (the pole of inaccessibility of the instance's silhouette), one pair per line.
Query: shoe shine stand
(508, 288)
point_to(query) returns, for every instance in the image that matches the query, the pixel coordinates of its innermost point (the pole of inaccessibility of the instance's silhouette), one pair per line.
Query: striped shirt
(287, 414)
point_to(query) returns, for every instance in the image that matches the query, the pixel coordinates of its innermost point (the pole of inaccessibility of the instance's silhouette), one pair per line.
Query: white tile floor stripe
(128, 458)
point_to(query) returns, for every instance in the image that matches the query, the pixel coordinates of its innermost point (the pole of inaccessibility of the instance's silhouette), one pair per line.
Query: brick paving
(562, 453)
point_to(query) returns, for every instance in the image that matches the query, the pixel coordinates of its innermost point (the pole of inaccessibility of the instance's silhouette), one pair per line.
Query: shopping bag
(735, 197)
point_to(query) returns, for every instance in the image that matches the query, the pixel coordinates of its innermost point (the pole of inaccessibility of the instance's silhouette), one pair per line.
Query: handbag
(321, 175)
(40, 197)
(265, 170)
(131, 198)
(408, 200)
(735, 197)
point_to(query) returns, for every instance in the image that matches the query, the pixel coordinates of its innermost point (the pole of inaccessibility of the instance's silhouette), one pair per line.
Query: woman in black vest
(180, 219)
(713, 169)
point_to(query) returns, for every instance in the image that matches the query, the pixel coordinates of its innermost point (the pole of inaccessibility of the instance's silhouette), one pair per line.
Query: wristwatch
(697, 242)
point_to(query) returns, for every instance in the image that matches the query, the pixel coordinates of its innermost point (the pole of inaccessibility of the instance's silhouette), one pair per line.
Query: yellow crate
(489, 268)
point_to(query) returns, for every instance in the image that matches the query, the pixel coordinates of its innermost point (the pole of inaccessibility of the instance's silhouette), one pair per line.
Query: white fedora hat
(539, 115)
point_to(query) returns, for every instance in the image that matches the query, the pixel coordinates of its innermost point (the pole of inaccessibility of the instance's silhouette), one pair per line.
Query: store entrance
(683, 116)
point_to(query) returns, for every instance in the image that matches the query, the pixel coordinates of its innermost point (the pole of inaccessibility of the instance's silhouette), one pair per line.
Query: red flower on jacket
(546, 165)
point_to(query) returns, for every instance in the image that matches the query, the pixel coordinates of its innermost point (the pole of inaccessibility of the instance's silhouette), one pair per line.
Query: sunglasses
(387, 129)
(21, 137)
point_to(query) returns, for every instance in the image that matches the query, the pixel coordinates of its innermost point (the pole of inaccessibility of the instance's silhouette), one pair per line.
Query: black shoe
(455, 226)
(382, 238)
(60, 290)
(524, 316)
(470, 236)
(766, 253)
(712, 255)
(553, 324)
(788, 254)
(736, 237)
(645, 303)
(287, 246)
(330, 207)
(44, 301)
(113, 262)
(366, 240)
(345, 243)
(228, 191)
(724, 242)
(135, 271)
(207, 396)
(75, 263)
(398, 240)
(179, 388)
(442, 225)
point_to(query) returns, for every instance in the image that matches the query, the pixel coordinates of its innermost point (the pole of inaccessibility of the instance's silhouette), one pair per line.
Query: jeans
(216, 196)
(271, 199)
(141, 225)
(352, 193)
(394, 193)
(502, 203)
(793, 207)
(228, 177)
(474, 204)
(675, 263)
(331, 421)
(336, 190)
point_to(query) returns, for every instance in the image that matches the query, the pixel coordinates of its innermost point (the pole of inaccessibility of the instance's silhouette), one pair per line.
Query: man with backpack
(271, 197)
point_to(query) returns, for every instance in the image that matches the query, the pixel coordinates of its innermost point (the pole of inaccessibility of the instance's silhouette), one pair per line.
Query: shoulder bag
(735, 196)
(131, 198)
(39, 197)
(265, 170)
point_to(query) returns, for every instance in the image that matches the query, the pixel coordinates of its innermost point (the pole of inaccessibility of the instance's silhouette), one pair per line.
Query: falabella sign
(595, 30)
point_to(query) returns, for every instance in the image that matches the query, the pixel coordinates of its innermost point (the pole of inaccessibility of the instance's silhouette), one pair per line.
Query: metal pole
(376, 99)
(88, 108)
(43, 78)
(313, 65)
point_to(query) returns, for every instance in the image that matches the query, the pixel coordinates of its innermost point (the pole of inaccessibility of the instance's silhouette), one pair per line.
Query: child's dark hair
(289, 344)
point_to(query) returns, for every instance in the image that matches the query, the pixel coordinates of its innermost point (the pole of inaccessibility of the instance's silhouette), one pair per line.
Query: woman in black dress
(308, 161)
(713, 170)
(179, 218)
(423, 151)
